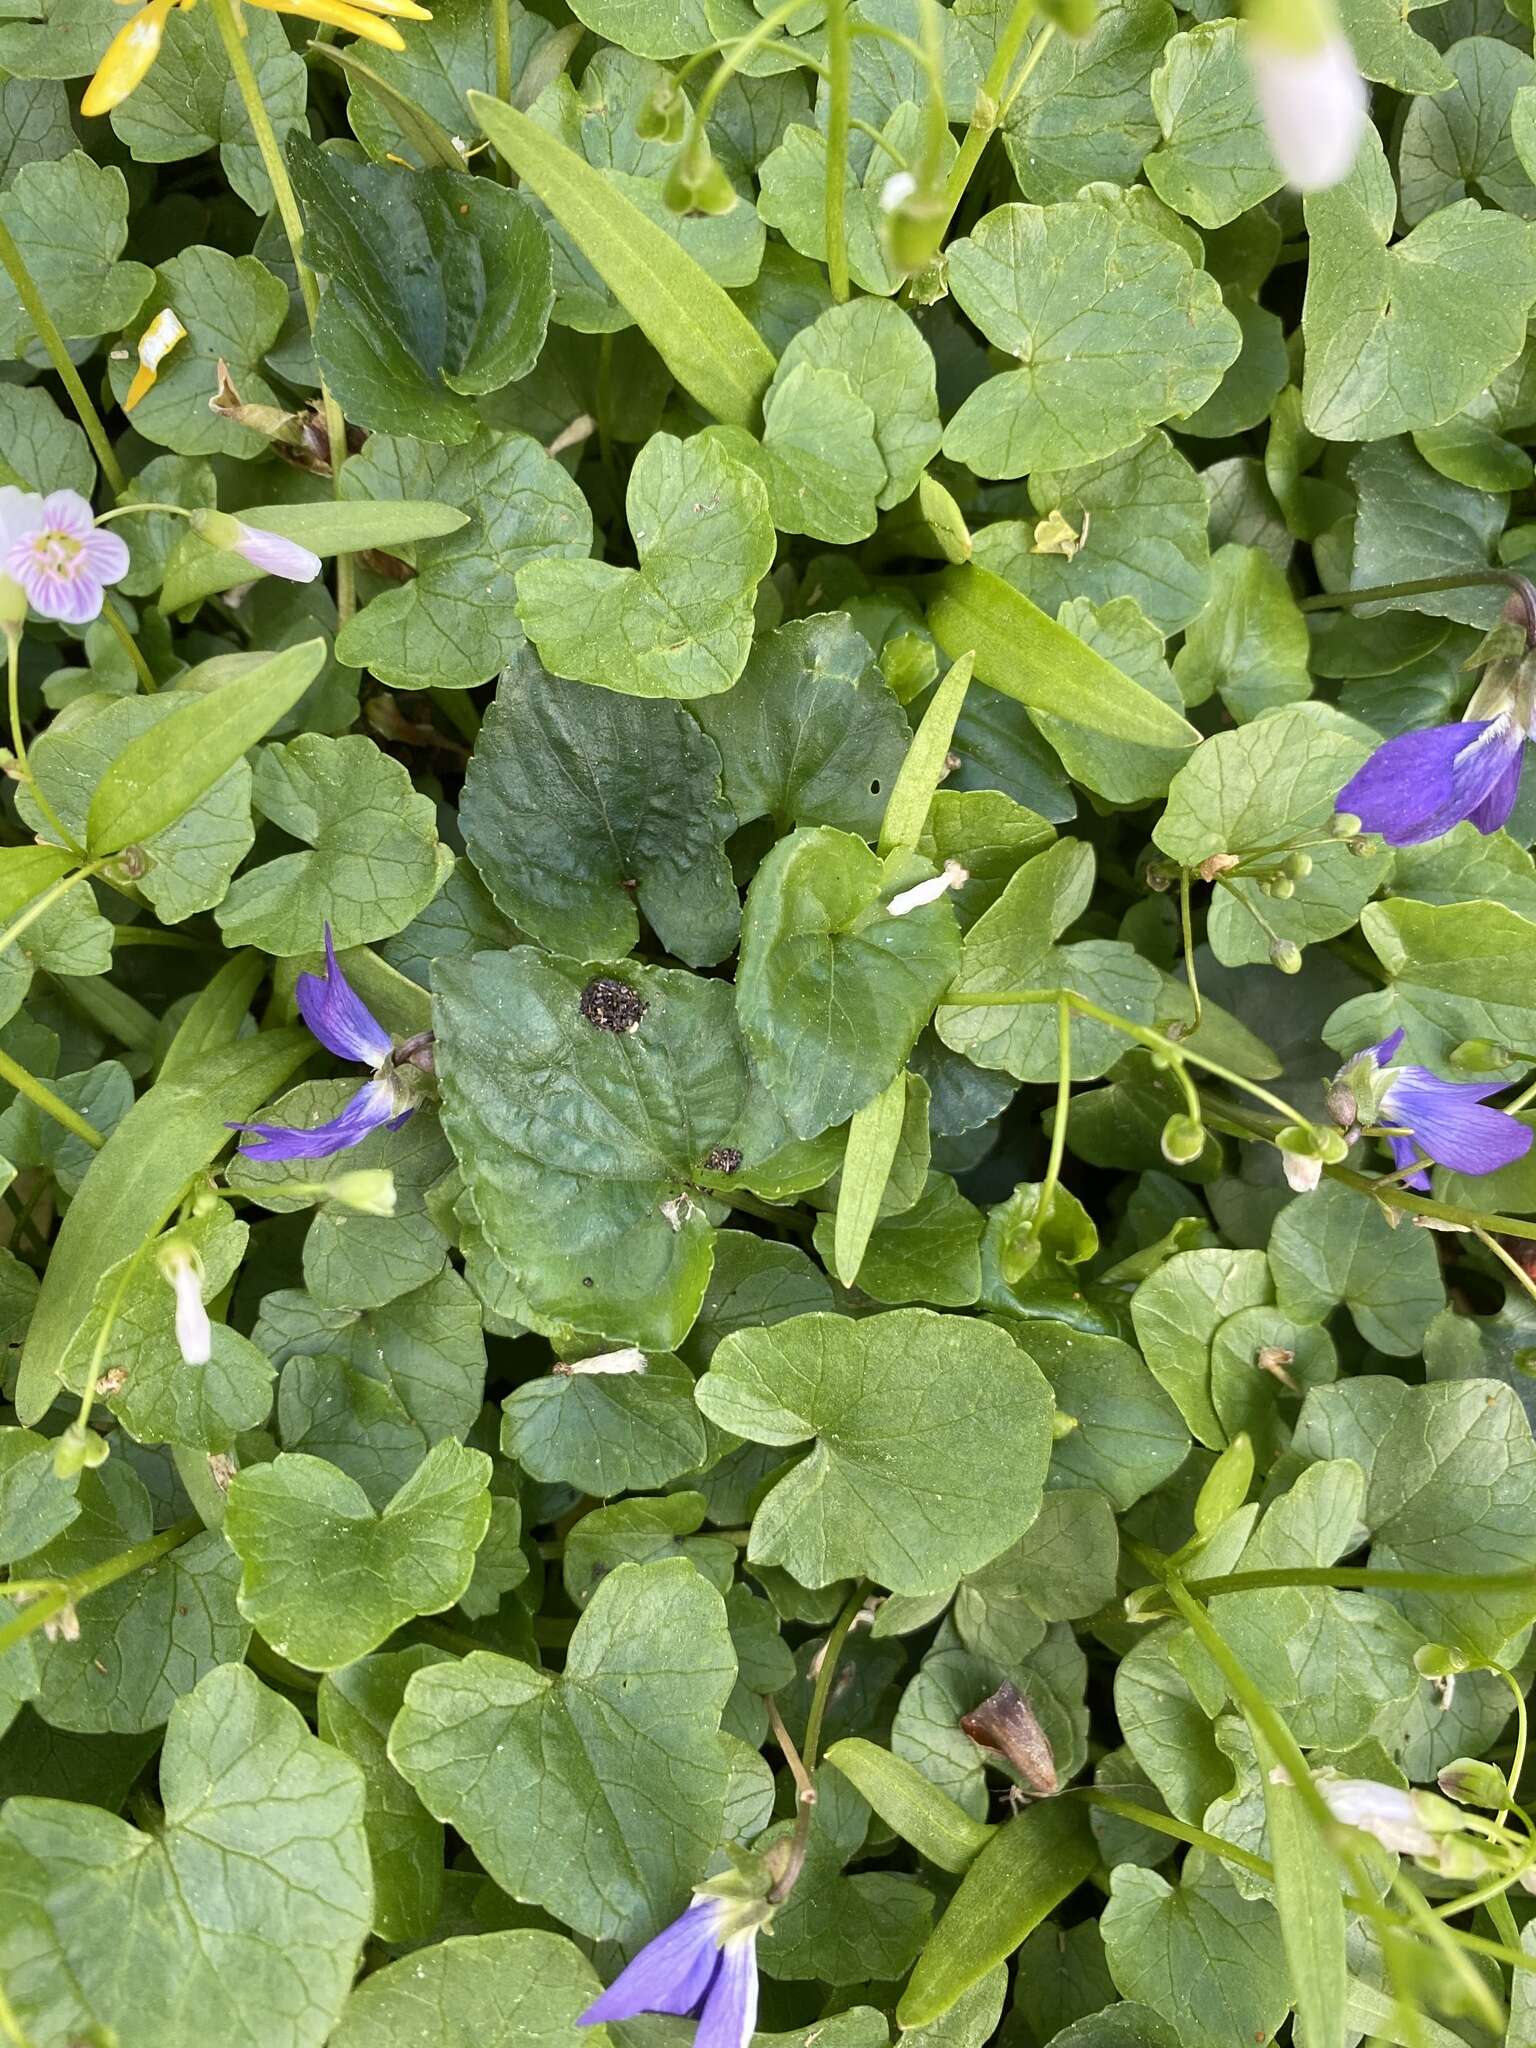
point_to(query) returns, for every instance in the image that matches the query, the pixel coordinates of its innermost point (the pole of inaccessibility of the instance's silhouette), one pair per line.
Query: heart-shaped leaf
(324, 1578)
(598, 1794)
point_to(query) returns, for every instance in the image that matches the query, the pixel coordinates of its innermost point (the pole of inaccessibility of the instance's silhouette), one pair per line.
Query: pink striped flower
(58, 554)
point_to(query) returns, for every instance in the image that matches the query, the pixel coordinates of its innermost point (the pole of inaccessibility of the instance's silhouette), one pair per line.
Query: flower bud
(1298, 866)
(1282, 888)
(1471, 1782)
(1300, 1158)
(1183, 1140)
(1344, 825)
(269, 552)
(921, 893)
(180, 1264)
(78, 1450)
(1479, 1056)
(1286, 955)
(366, 1191)
(913, 226)
(663, 116)
(1343, 1106)
(696, 183)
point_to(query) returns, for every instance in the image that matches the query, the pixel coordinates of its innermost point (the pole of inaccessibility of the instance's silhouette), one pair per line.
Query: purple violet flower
(1447, 1121)
(1420, 784)
(704, 1967)
(344, 1025)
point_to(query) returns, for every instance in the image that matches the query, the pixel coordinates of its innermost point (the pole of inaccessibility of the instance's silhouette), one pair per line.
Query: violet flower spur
(704, 1967)
(1448, 1121)
(344, 1025)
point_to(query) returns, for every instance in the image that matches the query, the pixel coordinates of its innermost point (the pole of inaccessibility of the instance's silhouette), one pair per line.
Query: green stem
(1449, 1584)
(104, 1335)
(993, 89)
(1275, 1732)
(39, 1093)
(839, 107)
(501, 29)
(1180, 1830)
(70, 1592)
(15, 266)
(1232, 1120)
(129, 645)
(802, 1762)
(1491, 1244)
(1187, 928)
(1419, 586)
(1522, 1738)
(19, 749)
(1176, 1055)
(832, 1652)
(1047, 1196)
(293, 227)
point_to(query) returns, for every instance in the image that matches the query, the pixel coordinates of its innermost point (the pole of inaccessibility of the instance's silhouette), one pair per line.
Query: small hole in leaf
(874, 789)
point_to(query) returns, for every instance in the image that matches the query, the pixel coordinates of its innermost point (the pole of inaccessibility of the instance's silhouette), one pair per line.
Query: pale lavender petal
(105, 554)
(1314, 104)
(370, 1108)
(671, 1974)
(75, 597)
(1419, 785)
(21, 513)
(67, 512)
(1452, 1123)
(338, 1016)
(1495, 808)
(730, 2011)
(278, 557)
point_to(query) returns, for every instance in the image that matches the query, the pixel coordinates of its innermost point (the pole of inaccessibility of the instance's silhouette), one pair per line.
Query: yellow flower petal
(340, 14)
(155, 344)
(129, 55)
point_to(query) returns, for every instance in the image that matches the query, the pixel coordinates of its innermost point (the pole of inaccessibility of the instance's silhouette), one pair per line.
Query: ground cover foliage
(886, 1259)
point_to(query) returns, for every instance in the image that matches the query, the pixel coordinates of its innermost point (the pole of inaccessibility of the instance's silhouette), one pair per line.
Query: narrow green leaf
(136, 1179)
(214, 1017)
(1023, 652)
(709, 346)
(873, 1136)
(1311, 1907)
(1027, 1868)
(908, 1802)
(921, 772)
(197, 570)
(161, 774)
